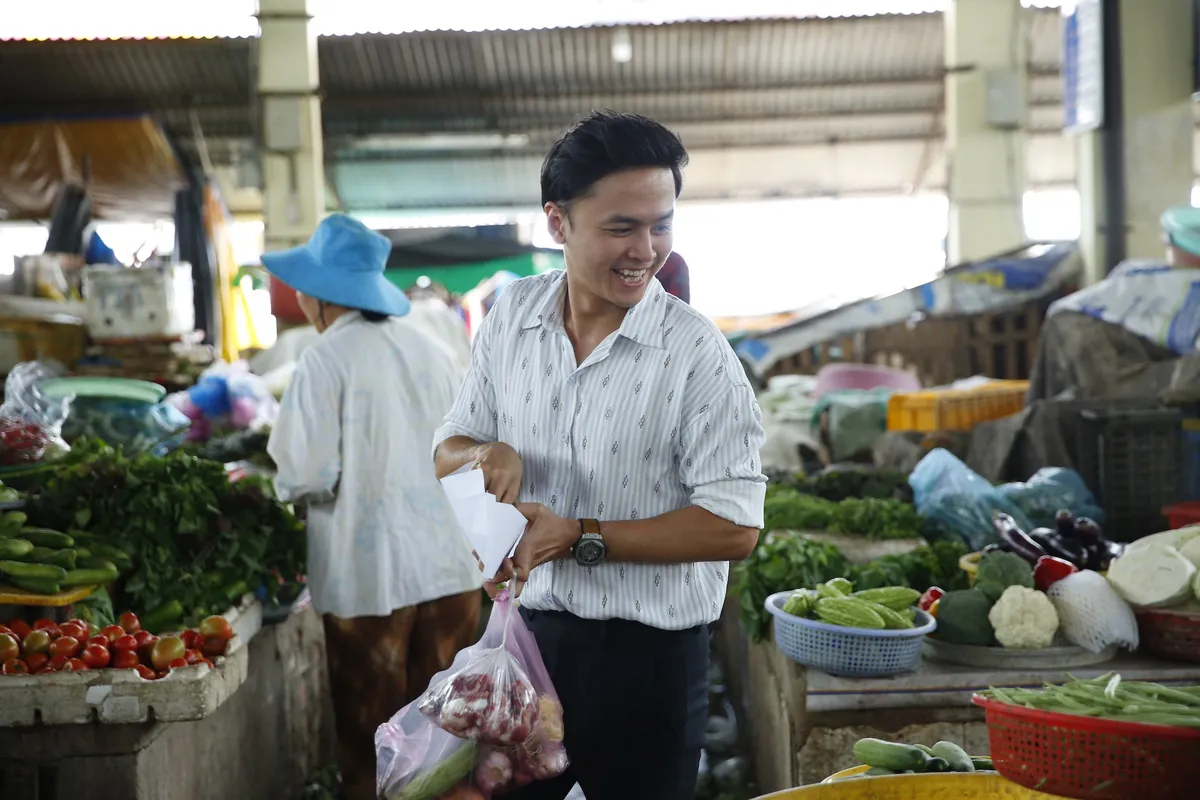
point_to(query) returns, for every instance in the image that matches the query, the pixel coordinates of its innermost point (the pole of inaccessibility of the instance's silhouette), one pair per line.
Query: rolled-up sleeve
(306, 440)
(474, 411)
(720, 462)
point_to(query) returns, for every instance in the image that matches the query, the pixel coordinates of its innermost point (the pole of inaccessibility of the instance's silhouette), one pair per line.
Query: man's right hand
(502, 470)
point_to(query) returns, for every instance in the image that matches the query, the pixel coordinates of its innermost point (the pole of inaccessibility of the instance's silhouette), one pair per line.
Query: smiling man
(621, 423)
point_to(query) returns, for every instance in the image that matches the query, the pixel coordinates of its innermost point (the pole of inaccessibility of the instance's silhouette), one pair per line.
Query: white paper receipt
(493, 528)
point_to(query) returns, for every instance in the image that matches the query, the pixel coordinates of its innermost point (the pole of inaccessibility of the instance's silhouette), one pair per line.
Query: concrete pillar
(985, 126)
(290, 126)
(1148, 123)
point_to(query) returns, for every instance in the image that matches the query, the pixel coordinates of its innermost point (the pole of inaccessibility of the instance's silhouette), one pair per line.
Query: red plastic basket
(1181, 515)
(1092, 759)
(1169, 634)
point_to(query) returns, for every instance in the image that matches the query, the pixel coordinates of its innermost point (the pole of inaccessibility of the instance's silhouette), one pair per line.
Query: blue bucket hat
(1181, 224)
(341, 264)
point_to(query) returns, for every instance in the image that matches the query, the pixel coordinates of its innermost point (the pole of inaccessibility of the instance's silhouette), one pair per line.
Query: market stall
(1015, 585)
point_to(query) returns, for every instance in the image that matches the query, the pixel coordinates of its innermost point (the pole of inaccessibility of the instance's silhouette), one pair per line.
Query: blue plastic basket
(850, 652)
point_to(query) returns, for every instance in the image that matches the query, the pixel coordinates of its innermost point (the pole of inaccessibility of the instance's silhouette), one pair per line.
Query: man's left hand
(547, 537)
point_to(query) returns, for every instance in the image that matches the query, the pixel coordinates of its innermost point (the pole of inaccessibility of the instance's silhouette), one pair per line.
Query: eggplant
(1088, 530)
(1109, 552)
(1097, 557)
(1018, 541)
(1064, 523)
(1060, 546)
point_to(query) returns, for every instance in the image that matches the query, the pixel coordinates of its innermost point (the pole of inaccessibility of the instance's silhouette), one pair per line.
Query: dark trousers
(635, 707)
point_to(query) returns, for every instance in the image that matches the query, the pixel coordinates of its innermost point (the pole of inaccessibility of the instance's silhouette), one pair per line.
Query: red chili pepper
(1050, 570)
(931, 596)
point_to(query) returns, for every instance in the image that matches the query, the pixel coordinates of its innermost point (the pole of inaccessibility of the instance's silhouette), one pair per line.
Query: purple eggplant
(1088, 530)
(1110, 552)
(1064, 523)
(1060, 546)
(1017, 540)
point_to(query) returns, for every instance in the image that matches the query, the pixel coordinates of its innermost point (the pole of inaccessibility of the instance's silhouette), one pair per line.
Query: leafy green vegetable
(933, 565)
(999, 570)
(194, 537)
(789, 509)
(962, 618)
(780, 562)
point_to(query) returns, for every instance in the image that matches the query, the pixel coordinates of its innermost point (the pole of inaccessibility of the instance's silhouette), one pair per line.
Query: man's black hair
(605, 142)
(374, 316)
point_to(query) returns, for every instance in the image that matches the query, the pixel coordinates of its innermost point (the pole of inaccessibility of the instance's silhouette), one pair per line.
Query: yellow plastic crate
(944, 786)
(955, 410)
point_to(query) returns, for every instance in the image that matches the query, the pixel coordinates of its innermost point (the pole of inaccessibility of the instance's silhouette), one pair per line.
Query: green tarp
(462, 278)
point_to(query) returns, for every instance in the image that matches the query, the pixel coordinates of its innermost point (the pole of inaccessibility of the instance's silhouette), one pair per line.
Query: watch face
(589, 552)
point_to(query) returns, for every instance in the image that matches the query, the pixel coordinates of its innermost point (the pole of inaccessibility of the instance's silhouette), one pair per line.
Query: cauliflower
(1024, 618)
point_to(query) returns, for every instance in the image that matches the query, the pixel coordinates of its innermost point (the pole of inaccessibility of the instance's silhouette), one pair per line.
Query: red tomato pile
(21, 442)
(73, 647)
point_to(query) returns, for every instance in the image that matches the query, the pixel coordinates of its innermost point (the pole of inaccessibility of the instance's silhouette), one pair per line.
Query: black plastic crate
(1131, 455)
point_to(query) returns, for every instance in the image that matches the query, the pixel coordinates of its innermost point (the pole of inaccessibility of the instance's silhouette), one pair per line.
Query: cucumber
(937, 764)
(12, 521)
(15, 548)
(877, 772)
(890, 755)
(160, 618)
(927, 750)
(983, 764)
(955, 756)
(36, 585)
(44, 537)
(116, 555)
(90, 577)
(17, 569)
(82, 553)
(95, 562)
(48, 555)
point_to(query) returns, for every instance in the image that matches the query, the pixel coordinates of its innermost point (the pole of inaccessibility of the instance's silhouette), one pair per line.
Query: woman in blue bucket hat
(389, 569)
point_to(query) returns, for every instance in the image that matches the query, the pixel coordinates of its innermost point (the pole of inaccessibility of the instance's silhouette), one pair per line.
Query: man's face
(617, 236)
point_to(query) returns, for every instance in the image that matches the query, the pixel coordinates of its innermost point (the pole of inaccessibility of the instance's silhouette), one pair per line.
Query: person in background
(620, 422)
(390, 570)
(431, 310)
(675, 278)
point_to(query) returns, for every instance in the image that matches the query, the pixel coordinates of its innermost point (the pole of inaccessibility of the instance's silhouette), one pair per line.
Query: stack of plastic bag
(1050, 490)
(490, 723)
(30, 422)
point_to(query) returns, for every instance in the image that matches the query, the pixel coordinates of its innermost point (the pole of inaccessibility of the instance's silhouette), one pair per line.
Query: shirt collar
(643, 324)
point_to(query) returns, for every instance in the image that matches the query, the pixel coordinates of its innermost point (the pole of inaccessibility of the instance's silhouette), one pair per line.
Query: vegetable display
(785, 561)
(839, 484)
(788, 509)
(193, 542)
(895, 758)
(1076, 541)
(46, 562)
(1024, 618)
(76, 646)
(1110, 697)
(835, 602)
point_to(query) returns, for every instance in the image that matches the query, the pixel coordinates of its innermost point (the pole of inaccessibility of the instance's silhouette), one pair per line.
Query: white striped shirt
(659, 417)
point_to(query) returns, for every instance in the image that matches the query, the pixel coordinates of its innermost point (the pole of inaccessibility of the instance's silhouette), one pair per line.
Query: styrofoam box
(118, 696)
(139, 302)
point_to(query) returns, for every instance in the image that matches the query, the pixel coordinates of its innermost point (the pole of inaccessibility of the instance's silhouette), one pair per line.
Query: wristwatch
(590, 550)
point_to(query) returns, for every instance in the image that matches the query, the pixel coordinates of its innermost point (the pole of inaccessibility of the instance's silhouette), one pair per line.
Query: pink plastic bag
(492, 721)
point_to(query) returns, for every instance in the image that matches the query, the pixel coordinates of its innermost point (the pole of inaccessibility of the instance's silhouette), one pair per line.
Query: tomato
(74, 630)
(49, 626)
(145, 672)
(99, 640)
(193, 656)
(112, 633)
(96, 657)
(125, 642)
(217, 628)
(124, 659)
(57, 664)
(177, 663)
(14, 666)
(144, 637)
(213, 647)
(129, 622)
(9, 647)
(77, 665)
(191, 639)
(166, 650)
(67, 646)
(36, 662)
(36, 642)
(75, 621)
(20, 628)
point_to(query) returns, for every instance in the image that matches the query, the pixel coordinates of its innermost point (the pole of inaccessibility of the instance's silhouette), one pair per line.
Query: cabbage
(1153, 577)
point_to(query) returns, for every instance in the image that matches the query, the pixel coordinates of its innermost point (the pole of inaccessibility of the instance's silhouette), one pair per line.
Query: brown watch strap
(590, 526)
